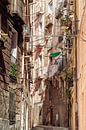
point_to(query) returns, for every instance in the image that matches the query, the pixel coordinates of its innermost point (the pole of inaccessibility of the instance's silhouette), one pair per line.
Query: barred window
(12, 108)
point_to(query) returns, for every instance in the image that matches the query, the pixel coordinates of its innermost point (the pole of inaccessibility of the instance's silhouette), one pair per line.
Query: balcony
(39, 9)
(62, 63)
(58, 13)
(30, 1)
(16, 9)
(48, 21)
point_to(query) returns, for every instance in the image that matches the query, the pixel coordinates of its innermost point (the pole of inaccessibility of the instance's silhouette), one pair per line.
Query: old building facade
(42, 64)
(81, 80)
(14, 74)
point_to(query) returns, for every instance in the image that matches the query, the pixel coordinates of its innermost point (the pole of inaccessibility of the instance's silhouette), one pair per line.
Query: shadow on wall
(2, 67)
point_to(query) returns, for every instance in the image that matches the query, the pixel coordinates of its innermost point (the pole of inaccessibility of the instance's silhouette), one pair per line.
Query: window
(12, 108)
(51, 59)
(40, 32)
(13, 34)
(37, 72)
(13, 53)
(40, 61)
(50, 7)
(13, 46)
(40, 88)
(62, 86)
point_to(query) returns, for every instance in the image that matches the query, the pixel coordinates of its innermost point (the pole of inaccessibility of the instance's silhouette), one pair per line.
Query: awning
(53, 55)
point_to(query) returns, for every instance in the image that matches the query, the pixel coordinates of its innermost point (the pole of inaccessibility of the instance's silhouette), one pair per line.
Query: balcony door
(14, 37)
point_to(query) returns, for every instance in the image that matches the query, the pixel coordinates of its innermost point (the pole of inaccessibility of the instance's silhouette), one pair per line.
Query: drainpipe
(28, 74)
(22, 95)
(22, 111)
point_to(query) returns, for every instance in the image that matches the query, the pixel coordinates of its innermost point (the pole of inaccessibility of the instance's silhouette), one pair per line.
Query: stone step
(49, 128)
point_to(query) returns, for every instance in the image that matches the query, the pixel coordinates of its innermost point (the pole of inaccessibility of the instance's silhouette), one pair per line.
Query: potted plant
(13, 72)
(66, 22)
(63, 22)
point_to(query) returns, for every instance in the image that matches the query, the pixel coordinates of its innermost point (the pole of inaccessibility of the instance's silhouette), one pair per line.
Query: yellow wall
(82, 66)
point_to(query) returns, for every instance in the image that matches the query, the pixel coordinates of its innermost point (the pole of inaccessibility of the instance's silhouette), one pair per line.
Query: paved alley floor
(49, 128)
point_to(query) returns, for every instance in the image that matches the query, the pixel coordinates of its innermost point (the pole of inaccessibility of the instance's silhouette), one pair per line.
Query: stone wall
(4, 124)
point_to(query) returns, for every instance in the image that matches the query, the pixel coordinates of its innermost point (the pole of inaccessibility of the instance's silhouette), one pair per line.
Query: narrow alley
(42, 64)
